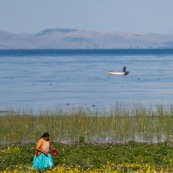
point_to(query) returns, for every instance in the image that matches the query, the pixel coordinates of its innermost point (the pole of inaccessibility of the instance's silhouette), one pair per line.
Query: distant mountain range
(80, 39)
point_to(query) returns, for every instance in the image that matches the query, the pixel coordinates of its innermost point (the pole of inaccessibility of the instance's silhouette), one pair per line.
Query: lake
(49, 79)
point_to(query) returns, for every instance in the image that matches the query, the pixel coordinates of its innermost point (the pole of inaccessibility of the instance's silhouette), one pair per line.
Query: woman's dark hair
(46, 134)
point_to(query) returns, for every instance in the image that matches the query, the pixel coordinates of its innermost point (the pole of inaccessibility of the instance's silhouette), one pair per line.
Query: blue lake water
(48, 79)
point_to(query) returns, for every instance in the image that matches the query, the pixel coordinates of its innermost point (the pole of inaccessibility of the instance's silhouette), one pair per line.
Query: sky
(130, 16)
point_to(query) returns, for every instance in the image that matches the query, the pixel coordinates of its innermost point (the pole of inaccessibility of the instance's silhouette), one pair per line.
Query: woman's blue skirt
(42, 161)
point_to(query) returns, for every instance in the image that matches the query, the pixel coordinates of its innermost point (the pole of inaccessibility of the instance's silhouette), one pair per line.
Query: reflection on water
(107, 137)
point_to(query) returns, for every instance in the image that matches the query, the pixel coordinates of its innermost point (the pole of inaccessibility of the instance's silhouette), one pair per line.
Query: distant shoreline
(80, 39)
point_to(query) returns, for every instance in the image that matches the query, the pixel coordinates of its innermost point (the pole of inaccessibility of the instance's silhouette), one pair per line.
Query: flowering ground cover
(92, 157)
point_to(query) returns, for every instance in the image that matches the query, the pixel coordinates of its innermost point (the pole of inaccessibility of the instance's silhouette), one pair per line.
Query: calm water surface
(46, 80)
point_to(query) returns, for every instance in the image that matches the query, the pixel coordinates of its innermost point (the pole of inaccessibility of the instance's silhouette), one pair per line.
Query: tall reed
(122, 123)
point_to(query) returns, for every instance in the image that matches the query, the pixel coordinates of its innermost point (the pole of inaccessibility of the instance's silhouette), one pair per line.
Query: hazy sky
(135, 16)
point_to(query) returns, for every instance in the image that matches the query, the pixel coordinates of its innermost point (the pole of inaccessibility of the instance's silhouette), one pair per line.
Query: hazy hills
(80, 39)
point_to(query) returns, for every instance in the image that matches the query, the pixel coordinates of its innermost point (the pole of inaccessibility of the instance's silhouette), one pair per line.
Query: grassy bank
(92, 157)
(123, 123)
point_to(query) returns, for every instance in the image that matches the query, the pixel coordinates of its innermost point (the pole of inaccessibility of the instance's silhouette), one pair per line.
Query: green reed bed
(122, 123)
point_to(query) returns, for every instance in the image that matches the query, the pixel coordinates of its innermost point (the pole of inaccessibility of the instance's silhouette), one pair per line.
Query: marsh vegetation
(122, 123)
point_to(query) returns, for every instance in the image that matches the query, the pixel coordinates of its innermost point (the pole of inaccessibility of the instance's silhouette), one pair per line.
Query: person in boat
(124, 69)
(42, 158)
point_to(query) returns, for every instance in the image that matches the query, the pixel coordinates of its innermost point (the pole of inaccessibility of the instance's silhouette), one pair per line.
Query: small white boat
(117, 73)
(124, 72)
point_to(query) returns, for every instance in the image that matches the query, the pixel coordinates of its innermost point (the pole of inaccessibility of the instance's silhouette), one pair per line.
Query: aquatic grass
(122, 123)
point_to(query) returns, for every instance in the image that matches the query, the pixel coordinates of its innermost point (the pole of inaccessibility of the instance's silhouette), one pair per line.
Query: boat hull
(117, 73)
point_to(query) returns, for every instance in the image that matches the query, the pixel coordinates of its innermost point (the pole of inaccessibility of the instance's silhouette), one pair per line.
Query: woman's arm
(39, 149)
(51, 147)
